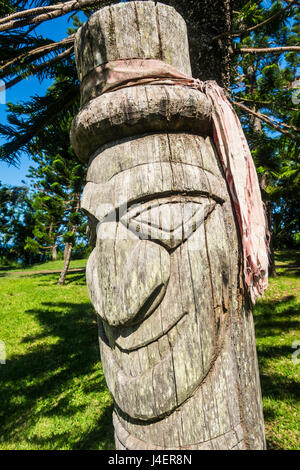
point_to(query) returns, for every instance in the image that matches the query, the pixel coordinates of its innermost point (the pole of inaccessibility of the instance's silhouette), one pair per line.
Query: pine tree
(263, 93)
(16, 225)
(58, 179)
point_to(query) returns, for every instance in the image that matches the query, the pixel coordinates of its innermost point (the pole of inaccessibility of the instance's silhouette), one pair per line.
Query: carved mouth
(127, 342)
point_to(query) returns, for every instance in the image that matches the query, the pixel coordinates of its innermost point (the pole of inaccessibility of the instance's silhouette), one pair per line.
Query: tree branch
(41, 14)
(267, 50)
(31, 12)
(268, 103)
(268, 121)
(39, 51)
(55, 109)
(38, 68)
(244, 32)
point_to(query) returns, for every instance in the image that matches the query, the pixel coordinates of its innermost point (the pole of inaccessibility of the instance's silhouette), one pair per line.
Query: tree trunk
(54, 252)
(210, 59)
(272, 268)
(165, 277)
(269, 214)
(66, 251)
(53, 245)
(67, 259)
(68, 245)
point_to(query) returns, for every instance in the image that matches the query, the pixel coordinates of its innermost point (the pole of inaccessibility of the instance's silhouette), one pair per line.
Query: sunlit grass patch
(53, 393)
(277, 319)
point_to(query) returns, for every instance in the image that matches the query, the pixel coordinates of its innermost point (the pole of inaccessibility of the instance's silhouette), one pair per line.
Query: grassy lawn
(50, 265)
(53, 393)
(277, 320)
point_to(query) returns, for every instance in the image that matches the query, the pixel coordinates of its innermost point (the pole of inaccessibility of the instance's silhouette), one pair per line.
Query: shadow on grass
(289, 257)
(276, 318)
(33, 274)
(288, 271)
(58, 378)
(4, 269)
(79, 279)
(41, 384)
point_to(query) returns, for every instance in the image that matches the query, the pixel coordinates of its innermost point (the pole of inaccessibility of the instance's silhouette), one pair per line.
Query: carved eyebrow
(116, 213)
(168, 197)
(168, 162)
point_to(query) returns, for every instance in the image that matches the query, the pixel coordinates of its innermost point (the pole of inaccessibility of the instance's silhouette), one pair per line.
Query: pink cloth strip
(231, 144)
(131, 72)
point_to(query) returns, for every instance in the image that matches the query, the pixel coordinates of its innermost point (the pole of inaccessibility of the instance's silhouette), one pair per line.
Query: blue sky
(56, 30)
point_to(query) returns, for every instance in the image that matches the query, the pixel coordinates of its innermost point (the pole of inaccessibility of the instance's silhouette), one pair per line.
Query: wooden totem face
(175, 329)
(159, 274)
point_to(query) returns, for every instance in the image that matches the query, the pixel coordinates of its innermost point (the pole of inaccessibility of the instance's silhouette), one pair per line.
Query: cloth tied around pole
(123, 73)
(231, 144)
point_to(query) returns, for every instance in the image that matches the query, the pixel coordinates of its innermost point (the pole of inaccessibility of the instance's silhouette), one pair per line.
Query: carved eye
(168, 221)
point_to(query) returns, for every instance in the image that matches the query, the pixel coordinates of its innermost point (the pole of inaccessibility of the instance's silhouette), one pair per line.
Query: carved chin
(144, 348)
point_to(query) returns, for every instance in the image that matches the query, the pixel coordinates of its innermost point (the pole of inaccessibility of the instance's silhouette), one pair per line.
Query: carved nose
(133, 280)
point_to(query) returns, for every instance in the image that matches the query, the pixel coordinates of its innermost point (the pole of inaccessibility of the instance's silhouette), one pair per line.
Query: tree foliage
(266, 98)
(16, 225)
(57, 177)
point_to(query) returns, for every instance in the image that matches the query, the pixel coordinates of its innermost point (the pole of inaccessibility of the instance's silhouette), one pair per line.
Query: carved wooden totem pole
(165, 276)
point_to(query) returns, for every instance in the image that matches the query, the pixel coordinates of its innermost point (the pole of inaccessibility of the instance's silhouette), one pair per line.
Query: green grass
(53, 393)
(50, 265)
(277, 319)
(288, 258)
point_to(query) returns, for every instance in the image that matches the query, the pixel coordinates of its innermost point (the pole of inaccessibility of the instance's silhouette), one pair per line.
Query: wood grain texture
(138, 29)
(135, 30)
(175, 328)
(138, 110)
